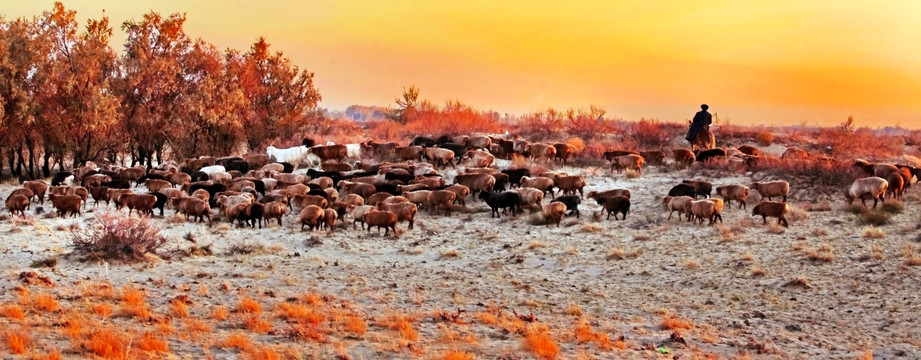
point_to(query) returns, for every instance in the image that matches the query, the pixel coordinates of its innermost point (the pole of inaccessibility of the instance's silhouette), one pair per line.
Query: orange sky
(756, 62)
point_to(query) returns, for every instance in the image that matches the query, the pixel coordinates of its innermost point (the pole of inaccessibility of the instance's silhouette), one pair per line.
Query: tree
(407, 107)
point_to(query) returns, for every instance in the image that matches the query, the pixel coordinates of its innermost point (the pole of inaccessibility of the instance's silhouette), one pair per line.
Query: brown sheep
(96, 180)
(476, 182)
(235, 212)
(700, 210)
(256, 161)
(304, 201)
(461, 192)
(541, 183)
(38, 187)
(772, 209)
(409, 153)
(553, 213)
(171, 193)
(896, 185)
(479, 142)
(430, 181)
(676, 203)
(201, 194)
(570, 184)
(274, 167)
(540, 152)
(296, 189)
(608, 193)
(413, 187)
(66, 203)
(530, 197)
(335, 167)
(628, 162)
(382, 219)
(329, 219)
(749, 150)
(405, 211)
(440, 157)
(24, 192)
(80, 191)
(794, 153)
(564, 151)
(133, 173)
(393, 200)
(191, 206)
(772, 188)
(115, 194)
(718, 209)
(275, 210)
(17, 203)
(615, 205)
(868, 188)
(332, 194)
(654, 157)
(143, 203)
(154, 185)
(733, 192)
(358, 214)
(285, 179)
(240, 185)
(611, 154)
(362, 189)
(312, 216)
(683, 157)
(439, 198)
(479, 170)
(418, 197)
(375, 198)
(331, 152)
(324, 182)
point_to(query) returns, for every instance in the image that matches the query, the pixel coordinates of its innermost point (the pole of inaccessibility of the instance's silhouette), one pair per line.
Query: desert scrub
(118, 238)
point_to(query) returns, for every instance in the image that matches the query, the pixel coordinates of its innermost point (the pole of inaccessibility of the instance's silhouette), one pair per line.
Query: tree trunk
(46, 170)
(11, 155)
(19, 162)
(31, 162)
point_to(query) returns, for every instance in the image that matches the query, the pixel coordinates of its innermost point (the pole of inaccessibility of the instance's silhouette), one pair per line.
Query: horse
(704, 140)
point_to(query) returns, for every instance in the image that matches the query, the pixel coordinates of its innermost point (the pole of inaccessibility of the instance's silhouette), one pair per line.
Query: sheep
(707, 155)
(96, 180)
(654, 157)
(143, 203)
(734, 192)
(515, 175)
(541, 151)
(303, 201)
(553, 213)
(191, 206)
(38, 187)
(439, 198)
(749, 150)
(253, 214)
(676, 203)
(615, 205)
(480, 158)
(700, 210)
(717, 209)
(375, 198)
(611, 154)
(541, 183)
(405, 211)
(66, 203)
(394, 200)
(868, 188)
(683, 190)
(358, 188)
(794, 153)
(530, 197)
(700, 187)
(570, 184)
(608, 193)
(883, 170)
(683, 157)
(288, 179)
(132, 174)
(275, 210)
(154, 185)
(430, 181)
(26, 192)
(772, 209)
(17, 203)
(503, 200)
(62, 178)
(476, 182)
(235, 212)
(115, 195)
(440, 157)
(296, 155)
(460, 191)
(422, 141)
(479, 142)
(418, 197)
(572, 204)
(501, 182)
(312, 216)
(631, 161)
(358, 214)
(564, 151)
(382, 219)
(409, 153)
(772, 188)
(896, 185)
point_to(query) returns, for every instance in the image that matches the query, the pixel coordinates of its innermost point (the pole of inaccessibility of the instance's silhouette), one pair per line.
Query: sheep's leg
(764, 219)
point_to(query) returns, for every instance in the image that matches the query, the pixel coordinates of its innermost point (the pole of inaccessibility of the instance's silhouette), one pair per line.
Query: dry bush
(690, 264)
(652, 134)
(148, 342)
(893, 206)
(757, 271)
(49, 262)
(592, 228)
(108, 343)
(17, 341)
(764, 138)
(798, 282)
(632, 174)
(912, 258)
(119, 238)
(775, 228)
(12, 311)
(456, 355)
(541, 344)
(820, 176)
(44, 302)
(671, 322)
(402, 325)
(872, 232)
(620, 254)
(875, 218)
(821, 254)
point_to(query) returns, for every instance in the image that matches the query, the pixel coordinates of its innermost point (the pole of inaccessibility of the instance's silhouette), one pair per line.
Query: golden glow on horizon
(654, 58)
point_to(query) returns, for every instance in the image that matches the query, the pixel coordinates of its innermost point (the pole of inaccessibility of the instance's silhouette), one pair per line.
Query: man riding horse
(699, 133)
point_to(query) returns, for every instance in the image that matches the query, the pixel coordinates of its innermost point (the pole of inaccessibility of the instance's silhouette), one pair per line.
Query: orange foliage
(73, 325)
(261, 353)
(108, 343)
(45, 302)
(148, 342)
(103, 309)
(12, 311)
(256, 324)
(541, 345)
(355, 325)
(486, 318)
(194, 327)
(584, 334)
(456, 355)
(132, 296)
(238, 341)
(220, 313)
(179, 309)
(402, 325)
(17, 341)
(249, 306)
(308, 331)
(55, 354)
(670, 322)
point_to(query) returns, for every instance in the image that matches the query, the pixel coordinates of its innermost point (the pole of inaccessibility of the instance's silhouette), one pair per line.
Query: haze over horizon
(774, 63)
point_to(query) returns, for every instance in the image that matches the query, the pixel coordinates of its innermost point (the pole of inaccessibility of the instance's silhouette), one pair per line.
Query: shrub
(119, 238)
(652, 134)
(764, 138)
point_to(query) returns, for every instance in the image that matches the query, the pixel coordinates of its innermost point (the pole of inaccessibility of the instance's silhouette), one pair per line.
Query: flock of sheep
(382, 184)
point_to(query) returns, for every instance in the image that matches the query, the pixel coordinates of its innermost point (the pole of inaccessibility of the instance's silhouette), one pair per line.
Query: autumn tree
(151, 84)
(407, 106)
(76, 100)
(20, 59)
(281, 100)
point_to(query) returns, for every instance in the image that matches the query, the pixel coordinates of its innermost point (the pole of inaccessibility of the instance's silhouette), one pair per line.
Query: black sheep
(387, 188)
(515, 175)
(615, 205)
(572, 203)
(459, 150)
(705, 155)
(117, 184)
(683, 190)
(405, 178)
(212, 190)
(700, 187)
(161, 202)
(422, 141)
(200, 176)
(501, 181)
(287, 168)
(503, 200)
(253, 214)
(59, 177)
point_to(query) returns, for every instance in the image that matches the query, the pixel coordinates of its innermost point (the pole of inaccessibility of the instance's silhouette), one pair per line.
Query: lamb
(476, 182)
(405, 211)
(631, 161)
(66, 203)
(572, 204)
(38, 187)
(615, 205)
(700, 187)
(868, 188)
(772, 188)
(700, 210)
(275, 210)
(683, 157)
(312, 216)
(17, 203)
(676, 203)
(570, 184)
(503, 200)
(896, 185)
(143, 203)
(382, 219)
(733, 192)
(553, 213)
(541, 183)
(772, 209)
(439, 198)
(530, 197)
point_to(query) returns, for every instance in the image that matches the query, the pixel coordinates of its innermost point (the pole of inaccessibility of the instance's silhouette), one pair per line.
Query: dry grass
(912, 258)
(690, 264)
(44, 303)
(671, 322)
(872, 232)
(821, 254)
(775, 228)
(108, 343)
(249, 306)
(148, 342)
(592, 228)
(620, 254)
(12, 311)
(632, 174)
(757, 271)
(541, 344)
(17, 341)
(455, 355)
(119, 238)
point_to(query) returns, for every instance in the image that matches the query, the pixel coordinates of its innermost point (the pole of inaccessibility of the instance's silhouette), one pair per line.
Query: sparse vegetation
(119, 238)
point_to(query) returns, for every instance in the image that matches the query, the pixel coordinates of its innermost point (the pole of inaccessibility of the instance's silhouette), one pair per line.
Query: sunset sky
(755, 62)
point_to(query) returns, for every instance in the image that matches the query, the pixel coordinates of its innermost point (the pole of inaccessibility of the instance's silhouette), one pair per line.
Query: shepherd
(699, 131)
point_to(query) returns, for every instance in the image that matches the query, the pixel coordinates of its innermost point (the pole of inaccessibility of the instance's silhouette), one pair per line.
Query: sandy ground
(745, 289)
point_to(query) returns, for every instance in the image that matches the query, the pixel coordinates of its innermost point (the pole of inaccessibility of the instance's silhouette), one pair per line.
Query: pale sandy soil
(732, 282)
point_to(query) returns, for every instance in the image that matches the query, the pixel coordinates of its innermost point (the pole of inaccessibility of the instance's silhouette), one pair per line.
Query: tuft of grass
(775, 228)
(764, 138)
(12, 311)
(537, 244)
(620, 254)
(875, 218)
(690, 264)
(541, 345)
(640, 237)
(249, 306)
(48, 262)
(17, 341)
(44, 302)
(456, 355)
(108, 343)
(150, 343)
(450, 253)
(872, 232)
(798, 282)
(821, 254)
(632, 174)
(402, 325)
(671, 322)
(238, 341)
(757, 271)
(592, 228)
(355, 325)
(912, 258)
